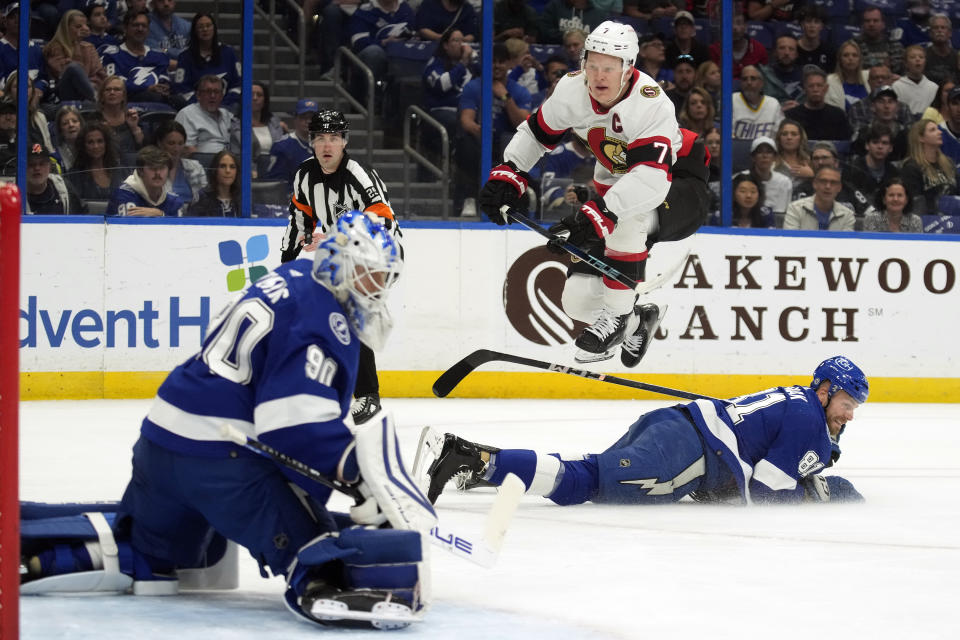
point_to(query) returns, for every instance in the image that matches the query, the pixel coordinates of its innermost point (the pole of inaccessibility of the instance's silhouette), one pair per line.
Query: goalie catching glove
(505, 186)
(591, 222)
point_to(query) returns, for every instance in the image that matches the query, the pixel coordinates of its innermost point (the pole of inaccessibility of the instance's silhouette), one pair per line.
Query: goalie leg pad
(365, 577)
(385, 481)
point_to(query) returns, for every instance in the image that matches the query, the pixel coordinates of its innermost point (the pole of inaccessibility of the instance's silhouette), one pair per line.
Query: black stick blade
(450, 378)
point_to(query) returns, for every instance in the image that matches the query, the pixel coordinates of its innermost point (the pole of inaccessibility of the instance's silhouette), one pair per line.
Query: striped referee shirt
(319, 199)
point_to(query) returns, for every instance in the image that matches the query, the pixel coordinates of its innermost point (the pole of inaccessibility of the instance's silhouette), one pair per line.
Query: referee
(326, 186)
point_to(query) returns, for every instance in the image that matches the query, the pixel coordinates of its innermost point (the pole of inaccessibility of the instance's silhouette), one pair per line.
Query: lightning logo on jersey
(655, 488)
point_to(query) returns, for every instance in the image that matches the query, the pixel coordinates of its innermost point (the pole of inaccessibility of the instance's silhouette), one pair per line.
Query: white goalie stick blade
(485, 550)
(669, 273)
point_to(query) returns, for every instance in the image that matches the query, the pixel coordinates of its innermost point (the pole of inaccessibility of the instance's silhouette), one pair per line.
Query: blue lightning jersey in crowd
(189, 71)
(139, 72)
(769, 440)
(279, 364)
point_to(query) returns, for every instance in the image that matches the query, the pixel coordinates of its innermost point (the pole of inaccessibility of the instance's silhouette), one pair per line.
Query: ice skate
(605, 334)
(365, 407)
(635, 345)
(442, 457)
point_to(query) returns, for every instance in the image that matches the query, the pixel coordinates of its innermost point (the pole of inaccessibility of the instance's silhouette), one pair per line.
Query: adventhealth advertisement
(138, 298)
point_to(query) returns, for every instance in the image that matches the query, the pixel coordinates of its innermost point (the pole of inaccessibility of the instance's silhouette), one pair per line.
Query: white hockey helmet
(359, 261)
(614, 39)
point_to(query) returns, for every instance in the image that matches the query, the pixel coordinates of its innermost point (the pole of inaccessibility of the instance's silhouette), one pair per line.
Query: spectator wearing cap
(48, 193)
(783, 77)
(927, 173)
(877, 44)
(860, 113)
(913, 88)
(820, 120)
(210, 127)
(168, 32)
(754, 114)
(848, 82)
(289, 152)
(825, 154)
(684, 41)
(746, 50)
(821, 210)
(942, 58)
(9, 50)
(559, 16)
(204, 55)
(98, 22)
(143, 69)
(811, 47)
(684, 78)
(885, 106)
(652, 60)
(433, 17)
(777, 187)
(951, 126)
(868, 171)
(145, 193)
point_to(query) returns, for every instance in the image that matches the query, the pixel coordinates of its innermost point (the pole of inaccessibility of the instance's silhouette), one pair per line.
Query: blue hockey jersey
(769, 440)
(189, 72)
(279, 364)
(286, 156)
(370, 24)
(441, 86)
(140, 73)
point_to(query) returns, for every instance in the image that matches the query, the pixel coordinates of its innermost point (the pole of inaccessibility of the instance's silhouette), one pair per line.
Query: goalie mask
(359, 261)
(613, 39)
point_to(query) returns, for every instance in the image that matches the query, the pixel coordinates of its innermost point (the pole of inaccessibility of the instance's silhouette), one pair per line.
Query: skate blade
(383, 615)
(429, 447)
(585, 357)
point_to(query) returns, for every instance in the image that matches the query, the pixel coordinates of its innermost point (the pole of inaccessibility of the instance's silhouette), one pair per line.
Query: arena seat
(949, 205)
(941, 224)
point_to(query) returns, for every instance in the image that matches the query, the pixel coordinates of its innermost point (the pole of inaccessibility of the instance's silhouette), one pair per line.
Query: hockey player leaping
(629, 124)
(278, 366)
(768, 446)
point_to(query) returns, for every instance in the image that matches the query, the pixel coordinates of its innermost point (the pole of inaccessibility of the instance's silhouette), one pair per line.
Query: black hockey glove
(592, 222)
(505, 186)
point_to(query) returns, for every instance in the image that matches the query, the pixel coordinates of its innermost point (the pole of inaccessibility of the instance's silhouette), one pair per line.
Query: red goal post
(9, 405)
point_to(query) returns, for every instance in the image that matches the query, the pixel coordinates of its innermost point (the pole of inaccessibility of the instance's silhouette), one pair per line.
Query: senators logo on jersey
(610, 152)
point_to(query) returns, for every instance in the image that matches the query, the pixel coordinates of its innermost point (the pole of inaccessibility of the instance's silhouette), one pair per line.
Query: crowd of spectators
(837, 106)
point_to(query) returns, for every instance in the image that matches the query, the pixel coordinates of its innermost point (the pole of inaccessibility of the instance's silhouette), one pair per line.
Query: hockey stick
(455, 374)
(642, 288)
(483, 550)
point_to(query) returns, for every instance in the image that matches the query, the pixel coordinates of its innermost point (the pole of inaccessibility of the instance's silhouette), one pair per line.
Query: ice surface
(887, 569)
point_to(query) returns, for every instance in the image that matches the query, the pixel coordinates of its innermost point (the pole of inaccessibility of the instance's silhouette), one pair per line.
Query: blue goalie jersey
(279, 364)
(769, 439)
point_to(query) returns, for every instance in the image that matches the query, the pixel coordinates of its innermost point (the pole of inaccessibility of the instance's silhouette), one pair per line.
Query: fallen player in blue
(768, 446)
(278, 366)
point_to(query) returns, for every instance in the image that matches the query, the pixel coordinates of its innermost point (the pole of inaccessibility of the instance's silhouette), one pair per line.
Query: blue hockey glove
(506, 185)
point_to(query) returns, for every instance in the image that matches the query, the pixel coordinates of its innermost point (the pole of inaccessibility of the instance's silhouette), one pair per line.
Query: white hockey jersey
(635, 141)
(750, 123)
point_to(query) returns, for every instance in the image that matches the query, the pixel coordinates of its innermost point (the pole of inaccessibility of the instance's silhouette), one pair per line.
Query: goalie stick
(482, 550)
(455, 374)
(641, 288)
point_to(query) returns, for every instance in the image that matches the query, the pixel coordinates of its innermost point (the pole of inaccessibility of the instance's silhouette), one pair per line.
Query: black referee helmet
(328, 121)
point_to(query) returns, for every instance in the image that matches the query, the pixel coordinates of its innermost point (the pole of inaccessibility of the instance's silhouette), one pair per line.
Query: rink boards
(107, 308)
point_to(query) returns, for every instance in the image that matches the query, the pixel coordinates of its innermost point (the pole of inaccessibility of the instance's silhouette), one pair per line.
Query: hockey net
(9, 405)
